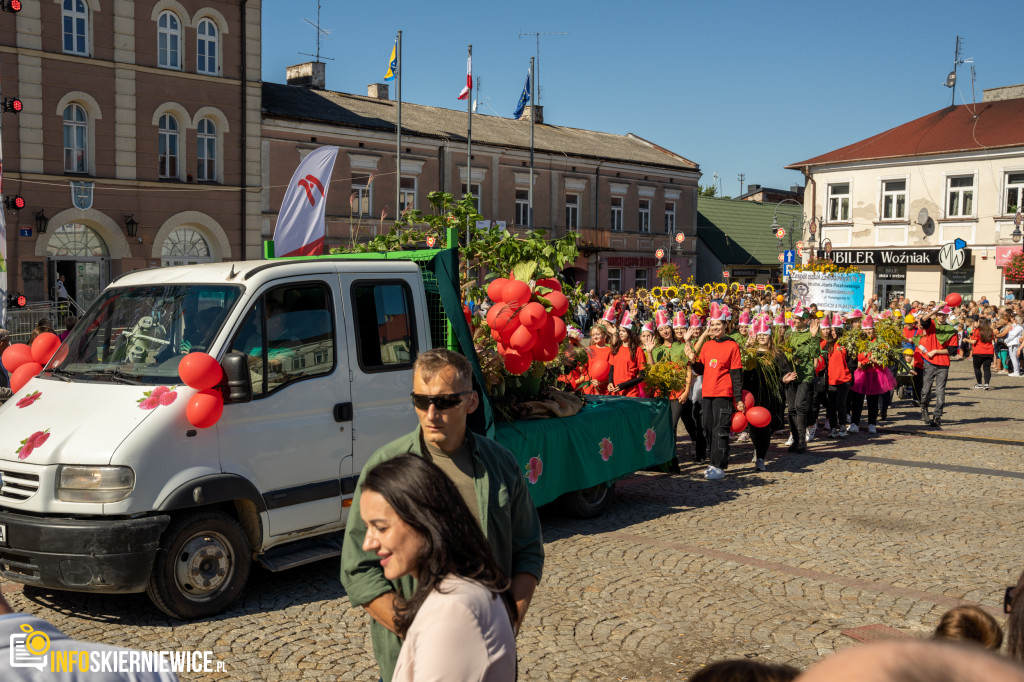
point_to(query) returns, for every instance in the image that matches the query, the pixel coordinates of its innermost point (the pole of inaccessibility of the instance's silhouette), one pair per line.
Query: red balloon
(523, 339)
(44, 346)
(748, 399)
(739, 422)
(205, 408)
(954, 299)
(546, 350)
(16, 355)
(200, 370)
(533, 315)
(560, 330)
(494, 289)
(516, 293)
(502, 349)
(547, 330)
(559, 303)
(550, 283)
(504, 315)
(509, 329)
(516, 362)
(21, 376)
(599, 369)
(759, 417)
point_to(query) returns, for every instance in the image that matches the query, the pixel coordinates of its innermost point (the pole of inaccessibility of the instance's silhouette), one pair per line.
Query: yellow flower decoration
(671, 292)
(721, 288)
(656, 292)
(769, 287)
(707, 288)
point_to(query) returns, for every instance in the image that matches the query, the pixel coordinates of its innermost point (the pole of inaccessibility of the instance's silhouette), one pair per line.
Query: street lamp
(41, 222)
(131, 225)
(1017, 219)
(776, 227)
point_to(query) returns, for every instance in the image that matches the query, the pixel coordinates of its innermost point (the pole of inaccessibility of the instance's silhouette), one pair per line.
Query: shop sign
(740, 272)
(632, 261)
(1005, 253)
(889, 256)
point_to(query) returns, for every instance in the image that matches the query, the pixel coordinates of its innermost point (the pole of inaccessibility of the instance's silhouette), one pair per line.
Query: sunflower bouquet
(826, 266)
(656, 292)
(665, 378)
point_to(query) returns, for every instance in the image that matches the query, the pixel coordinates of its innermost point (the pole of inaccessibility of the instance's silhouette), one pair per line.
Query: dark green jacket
(511, 526)
(806, 349)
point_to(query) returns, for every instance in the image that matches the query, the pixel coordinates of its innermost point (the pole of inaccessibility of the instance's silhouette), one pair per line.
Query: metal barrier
(21, 321)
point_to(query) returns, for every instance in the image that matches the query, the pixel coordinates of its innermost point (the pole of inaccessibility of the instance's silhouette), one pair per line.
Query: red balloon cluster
(203, 372)
(527, 325)
(755, 416)
(23, 361)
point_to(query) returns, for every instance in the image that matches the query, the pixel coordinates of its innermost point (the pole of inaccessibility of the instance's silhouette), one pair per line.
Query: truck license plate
(3, 533)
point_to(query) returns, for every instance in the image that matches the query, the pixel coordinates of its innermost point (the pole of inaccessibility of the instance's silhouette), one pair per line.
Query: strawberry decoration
(161, 395)
(31, 443)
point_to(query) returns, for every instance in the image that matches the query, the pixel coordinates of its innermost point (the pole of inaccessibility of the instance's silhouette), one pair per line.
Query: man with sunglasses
(487, 476)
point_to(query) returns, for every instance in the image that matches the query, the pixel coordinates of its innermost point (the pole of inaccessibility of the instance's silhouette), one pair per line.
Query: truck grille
(17, 486)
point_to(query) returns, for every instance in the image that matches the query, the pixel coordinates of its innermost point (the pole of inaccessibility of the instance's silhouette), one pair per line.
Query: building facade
(736, 237)
(138, 145)
(627, 197)
(952, 180)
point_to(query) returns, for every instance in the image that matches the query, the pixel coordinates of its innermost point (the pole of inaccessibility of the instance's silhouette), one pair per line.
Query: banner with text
(830, 291)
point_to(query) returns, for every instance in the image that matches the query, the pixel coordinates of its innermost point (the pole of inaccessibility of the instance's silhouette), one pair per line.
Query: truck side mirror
(237, 377)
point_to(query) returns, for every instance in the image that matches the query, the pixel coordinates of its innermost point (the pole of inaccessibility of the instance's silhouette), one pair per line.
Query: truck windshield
(140, 334)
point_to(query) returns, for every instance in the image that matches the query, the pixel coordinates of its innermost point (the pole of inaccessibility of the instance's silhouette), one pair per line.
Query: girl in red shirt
(627, 362)
(870, 380)
(840, 378)
(983, 349)
(599, 354)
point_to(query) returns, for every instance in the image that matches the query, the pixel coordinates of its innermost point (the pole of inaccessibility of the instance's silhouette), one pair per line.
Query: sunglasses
(442, 402)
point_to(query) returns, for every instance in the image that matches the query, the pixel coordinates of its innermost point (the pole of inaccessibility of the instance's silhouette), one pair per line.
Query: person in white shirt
(1013, 339)
(62, 292)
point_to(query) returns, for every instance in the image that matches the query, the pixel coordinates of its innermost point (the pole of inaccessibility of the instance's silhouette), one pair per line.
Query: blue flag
(523, 98)
(392, 64)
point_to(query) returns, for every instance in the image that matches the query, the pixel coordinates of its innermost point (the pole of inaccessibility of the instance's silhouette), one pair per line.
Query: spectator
(970, 623)
(1013, 604)
(457, 625)
(1013, 339)
(61, 290)
(745, 670)
(982, 344)
(69, 323)
(913, 660)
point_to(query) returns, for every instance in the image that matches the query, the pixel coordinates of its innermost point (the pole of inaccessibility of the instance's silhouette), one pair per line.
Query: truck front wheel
(589, 503)
(201, 567)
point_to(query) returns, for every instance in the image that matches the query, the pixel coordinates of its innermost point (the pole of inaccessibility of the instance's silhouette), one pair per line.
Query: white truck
(105, 485)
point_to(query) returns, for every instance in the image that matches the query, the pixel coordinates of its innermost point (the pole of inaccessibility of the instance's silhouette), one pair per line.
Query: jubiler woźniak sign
(888, 256)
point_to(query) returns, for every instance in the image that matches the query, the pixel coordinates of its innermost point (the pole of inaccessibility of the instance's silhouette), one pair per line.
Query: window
(360, 201)
(289, 336)
(670, 217)
(641, 279)
(206, 47)
(473, 189)
(185, 246)
(522, 207)
(168, 40)
(406, 194)
(206, 151)
(1014, 192)
(645, 215)
(168, 154)
(839, 202)
(386, 337)
(75, 16)
(894, 199)
(616, 214)
(76, 130)
(614, 279)
(572, 211)
(961, 197)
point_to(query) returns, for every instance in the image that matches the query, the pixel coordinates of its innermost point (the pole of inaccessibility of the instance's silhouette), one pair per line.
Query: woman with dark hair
(1013, 604)
(982, 351)
(627, 361)
(458, 623)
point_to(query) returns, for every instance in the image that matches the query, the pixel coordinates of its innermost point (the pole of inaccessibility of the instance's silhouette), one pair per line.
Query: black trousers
(918, 383)
(717, 423)
(858, 407)
(691, 414)
(761, 437)
(835, 412)
(982, 367)
(798, 400)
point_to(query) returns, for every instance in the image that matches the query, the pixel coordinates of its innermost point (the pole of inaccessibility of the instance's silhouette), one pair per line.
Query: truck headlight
(94, 484)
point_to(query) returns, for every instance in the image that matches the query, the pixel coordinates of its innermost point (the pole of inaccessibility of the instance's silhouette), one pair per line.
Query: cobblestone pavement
(876, 530)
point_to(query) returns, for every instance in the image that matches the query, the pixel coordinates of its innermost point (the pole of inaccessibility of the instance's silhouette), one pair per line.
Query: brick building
(153, 106)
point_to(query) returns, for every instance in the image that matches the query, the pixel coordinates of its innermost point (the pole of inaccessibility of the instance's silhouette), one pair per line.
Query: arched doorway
(185, 246)
(79, 253)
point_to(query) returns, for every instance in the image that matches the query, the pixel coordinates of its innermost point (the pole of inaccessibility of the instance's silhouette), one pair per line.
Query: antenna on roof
(951, 78)
(319, 32)
(536, 85)
(476, 95)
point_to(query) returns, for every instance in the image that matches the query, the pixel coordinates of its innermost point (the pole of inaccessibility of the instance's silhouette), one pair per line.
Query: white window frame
(637, 280)
(1016, 187)
(617, 279)
(77, 128)
(165, 136)
(406, 195)
(477, 191)
(837, 197)
(164, 54)
(206, 151)
(893, 196)
(79, 20)
(644, 215)
(960, 193)
(522, 217)
(362, 192)
(670, 217)
(572, 212)
(212, 46)
(616, 214)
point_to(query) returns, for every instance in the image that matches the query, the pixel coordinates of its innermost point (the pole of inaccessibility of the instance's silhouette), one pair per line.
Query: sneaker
(827, 425)
(978, 387)
(744, 437)
(843, 433)
(872, 429)
(714, 474)
(789, 441)
(759, 464)
(986, 387)
(852, 428)
(809, 434)
(833, 433)
(936, 423)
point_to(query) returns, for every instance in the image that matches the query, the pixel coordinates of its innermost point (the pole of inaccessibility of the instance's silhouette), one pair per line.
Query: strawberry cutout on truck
(32, 442)
(29, 399)
(161, 395)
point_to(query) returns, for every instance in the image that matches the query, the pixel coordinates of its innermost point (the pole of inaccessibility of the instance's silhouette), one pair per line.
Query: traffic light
(16, 202)
(16, 300)
(11, 6)
(12, 104)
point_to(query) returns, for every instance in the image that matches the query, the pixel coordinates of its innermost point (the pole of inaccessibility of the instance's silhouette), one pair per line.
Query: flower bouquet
(665, 378)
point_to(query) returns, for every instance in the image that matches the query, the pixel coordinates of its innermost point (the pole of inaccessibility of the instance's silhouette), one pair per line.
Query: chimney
(753, 188)
(311, 75)
(528, 113)
(377, 90)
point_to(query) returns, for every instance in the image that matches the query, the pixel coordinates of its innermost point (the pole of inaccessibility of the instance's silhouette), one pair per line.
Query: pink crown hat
(944, 310)
(627, 320)
(726, 313)
(679, 320)
(648, 327)
(661, 319)
(744, 318)
(854, 314)
(760, 327)
(695, 321)
(825, 323)
(780, 320)
(868, 323)
(717, 312)
(609, 315)
(837, 321)
(886, 314)
(791, 321)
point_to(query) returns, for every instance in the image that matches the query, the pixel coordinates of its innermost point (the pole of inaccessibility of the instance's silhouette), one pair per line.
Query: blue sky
(734, 86)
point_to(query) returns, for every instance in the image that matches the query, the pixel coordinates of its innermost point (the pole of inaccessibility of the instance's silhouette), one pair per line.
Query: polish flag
(469, 78)
(301, 224)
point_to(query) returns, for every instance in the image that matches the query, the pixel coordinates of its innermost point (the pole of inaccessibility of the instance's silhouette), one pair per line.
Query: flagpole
(469, 152)
(398, 131)
(533, 115)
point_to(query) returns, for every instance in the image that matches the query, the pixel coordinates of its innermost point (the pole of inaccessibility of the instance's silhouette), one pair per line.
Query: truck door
(383, 341)
(294, 439)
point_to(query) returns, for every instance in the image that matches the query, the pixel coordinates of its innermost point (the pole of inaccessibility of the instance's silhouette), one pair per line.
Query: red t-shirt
(980, 347)
(719, 357)
(838, 370)
(596, 353)
(626, 366)
(931, 342)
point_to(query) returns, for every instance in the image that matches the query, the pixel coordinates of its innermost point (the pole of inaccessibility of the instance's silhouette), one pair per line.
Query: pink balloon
(204, 409)
(748, 399)
(44, 346)
(23, 374)
(739, 422)
(759, 417)
(200, 370)
(16, 355)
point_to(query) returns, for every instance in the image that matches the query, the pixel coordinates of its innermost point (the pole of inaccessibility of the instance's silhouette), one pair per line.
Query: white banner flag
(301, 224)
